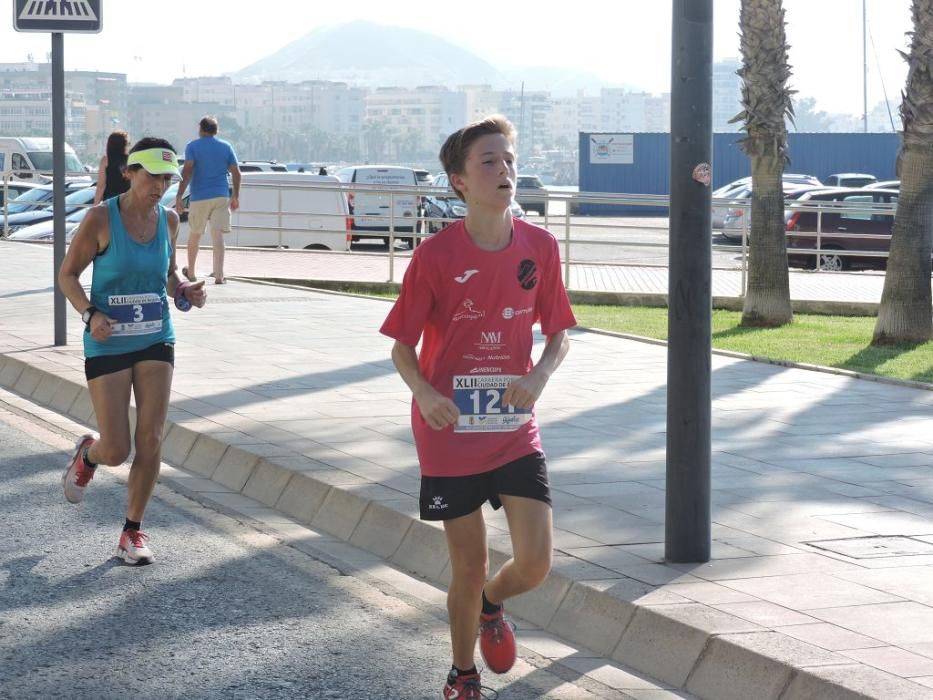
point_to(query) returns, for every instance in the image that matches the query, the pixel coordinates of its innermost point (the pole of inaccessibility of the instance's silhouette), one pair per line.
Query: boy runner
(473, 292)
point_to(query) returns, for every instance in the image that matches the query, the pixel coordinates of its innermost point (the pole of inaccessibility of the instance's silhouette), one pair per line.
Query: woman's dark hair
(147, 142)
(116, 146)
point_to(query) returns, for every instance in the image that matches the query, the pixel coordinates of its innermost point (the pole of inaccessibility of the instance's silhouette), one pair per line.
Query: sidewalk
(821, 585)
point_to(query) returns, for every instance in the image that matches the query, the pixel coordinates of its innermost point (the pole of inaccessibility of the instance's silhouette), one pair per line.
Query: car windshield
(529, 181)
(27, 200)
(42, 160)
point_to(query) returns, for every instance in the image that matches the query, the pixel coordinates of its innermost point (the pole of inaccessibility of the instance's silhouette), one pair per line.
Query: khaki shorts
(216, 210)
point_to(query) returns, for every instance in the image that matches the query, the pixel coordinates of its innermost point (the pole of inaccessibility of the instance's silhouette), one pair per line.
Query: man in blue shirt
(208, 159)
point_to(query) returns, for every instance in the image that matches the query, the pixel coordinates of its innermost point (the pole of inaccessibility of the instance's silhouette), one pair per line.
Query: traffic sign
(57, 15)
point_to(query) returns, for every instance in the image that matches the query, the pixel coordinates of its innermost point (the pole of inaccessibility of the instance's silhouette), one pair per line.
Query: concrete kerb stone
(302, 497)
(340, 513)
(852, 682)
(235, 468)
(205, 455)
(381, 530)
(10, 372)
(666, 641)
(756, 664)
(266, 483)
(177, 443)
(592, 618)
(46, 389)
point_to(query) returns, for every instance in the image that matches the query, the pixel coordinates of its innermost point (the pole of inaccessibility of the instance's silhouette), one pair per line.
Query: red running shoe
(466, 687)
(77, 475)
(133, 548)
(497, 641)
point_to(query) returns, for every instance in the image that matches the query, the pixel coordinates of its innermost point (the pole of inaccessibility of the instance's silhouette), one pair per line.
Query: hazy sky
(624, 41)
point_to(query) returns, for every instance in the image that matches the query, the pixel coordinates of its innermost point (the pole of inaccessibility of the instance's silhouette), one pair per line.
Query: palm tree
(766, 103)
(906, 311)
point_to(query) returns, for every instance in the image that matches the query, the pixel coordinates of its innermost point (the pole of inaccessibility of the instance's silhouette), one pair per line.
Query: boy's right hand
(437, 410)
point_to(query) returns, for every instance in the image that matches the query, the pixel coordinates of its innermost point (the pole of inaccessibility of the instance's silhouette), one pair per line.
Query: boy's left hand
(524, 391)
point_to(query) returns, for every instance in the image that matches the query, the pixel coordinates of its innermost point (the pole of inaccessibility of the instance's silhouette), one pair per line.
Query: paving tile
(898, 624)
(807, 591)
(893, 660)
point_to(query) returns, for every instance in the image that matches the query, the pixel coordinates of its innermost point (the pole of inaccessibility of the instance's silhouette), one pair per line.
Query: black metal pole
(58, 181)
(687, 515)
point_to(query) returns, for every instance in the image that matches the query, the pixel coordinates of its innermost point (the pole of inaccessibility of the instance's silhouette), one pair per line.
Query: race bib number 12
(479, 400)
(136, 314)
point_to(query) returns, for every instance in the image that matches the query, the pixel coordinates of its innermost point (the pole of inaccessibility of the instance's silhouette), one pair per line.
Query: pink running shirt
(475, 310)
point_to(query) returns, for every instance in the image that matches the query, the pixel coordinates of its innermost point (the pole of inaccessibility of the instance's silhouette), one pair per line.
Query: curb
(690, 646)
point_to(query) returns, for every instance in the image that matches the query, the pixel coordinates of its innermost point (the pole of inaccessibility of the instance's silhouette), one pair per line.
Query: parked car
(449, 207)
(77, 199)
(424, 177)
(740, 189)
(732, 224)
(262, 166)
(44, 231)
(531, 194)
(840, 230)
(849, 180)
(13, 190)
(371, 210)
(290, 210)
(884, 185)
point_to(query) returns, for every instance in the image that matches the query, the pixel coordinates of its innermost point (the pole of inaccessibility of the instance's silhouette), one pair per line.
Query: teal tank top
(128, 284)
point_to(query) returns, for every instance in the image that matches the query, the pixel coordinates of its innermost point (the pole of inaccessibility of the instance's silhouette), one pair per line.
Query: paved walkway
(821, 583)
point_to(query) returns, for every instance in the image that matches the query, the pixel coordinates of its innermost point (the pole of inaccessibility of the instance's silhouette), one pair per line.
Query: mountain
(366, 54)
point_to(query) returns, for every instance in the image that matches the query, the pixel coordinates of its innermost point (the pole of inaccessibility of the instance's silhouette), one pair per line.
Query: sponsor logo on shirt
(467, 274)
(527, 274)
(471, 356)
(490, 340)
(484, 370)
(466, 312)
(508, 312)
(498, 357)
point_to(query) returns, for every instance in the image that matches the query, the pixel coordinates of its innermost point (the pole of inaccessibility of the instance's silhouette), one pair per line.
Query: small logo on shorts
(437, 503)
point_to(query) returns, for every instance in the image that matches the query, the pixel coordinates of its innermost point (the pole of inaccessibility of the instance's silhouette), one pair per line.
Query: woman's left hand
(196, 293)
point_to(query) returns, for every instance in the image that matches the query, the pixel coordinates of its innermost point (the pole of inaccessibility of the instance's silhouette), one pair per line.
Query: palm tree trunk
(767, 300)
(766, 100)
(906, 311)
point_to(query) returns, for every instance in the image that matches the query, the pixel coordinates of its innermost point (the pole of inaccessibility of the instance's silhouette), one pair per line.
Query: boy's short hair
(454, 152)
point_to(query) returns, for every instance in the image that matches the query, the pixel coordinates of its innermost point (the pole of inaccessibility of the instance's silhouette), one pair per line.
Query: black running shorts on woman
(448, 497)
(100, 365)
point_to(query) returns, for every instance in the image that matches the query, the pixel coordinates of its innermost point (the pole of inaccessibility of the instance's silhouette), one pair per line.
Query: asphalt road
(226, 611)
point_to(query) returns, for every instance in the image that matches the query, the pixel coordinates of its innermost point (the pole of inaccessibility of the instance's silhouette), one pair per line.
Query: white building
(727, 94)
(402, 120)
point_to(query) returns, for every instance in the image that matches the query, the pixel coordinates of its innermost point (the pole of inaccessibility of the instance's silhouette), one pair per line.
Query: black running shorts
(448, 497)
(109, 364)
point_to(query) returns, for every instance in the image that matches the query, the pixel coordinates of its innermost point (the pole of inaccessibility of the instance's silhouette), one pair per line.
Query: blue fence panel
(649, 173)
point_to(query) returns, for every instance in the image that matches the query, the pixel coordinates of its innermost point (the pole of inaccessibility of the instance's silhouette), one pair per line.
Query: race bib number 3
(136, 314)
(479, 400)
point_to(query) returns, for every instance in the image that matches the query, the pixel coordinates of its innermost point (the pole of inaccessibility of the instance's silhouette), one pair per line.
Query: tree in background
(906, 311)
(766, 103)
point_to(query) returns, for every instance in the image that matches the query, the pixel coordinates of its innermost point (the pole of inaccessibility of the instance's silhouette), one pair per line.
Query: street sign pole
(56, 17)
(58, 182)
(687, 513)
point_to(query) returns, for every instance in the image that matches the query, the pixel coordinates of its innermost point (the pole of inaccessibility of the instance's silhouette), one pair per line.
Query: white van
(287, 210)
(291, 210)
(372, 211)
(31, 158)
